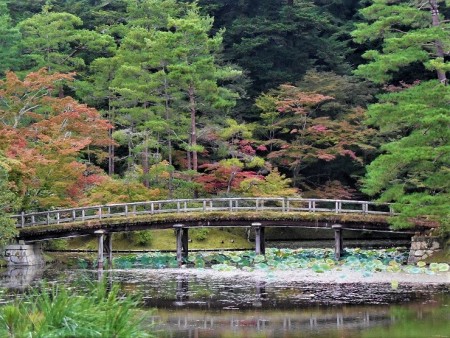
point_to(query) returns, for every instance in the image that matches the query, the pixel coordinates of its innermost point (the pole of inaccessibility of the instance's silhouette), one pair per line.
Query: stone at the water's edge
(24, 255)
(423, 247)
(419, 253)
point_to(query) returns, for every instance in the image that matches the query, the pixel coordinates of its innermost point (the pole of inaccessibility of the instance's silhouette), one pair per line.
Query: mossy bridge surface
(208, 212)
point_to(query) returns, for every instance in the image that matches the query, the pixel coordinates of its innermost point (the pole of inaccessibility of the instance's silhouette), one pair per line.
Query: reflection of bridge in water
(198, 323)
(181, 215)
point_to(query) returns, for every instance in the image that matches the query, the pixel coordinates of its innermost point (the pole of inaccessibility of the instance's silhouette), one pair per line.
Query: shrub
(200, 234)
(142, 238)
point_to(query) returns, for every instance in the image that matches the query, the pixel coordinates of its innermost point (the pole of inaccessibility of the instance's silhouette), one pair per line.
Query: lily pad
(443, 267)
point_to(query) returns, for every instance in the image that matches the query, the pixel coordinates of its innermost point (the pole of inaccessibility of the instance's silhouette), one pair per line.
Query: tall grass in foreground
(62, 313)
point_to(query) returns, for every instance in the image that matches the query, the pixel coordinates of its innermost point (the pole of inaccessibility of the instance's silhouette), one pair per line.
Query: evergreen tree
(54, 41)
(414, 169)
(277, 41)
(9, 39)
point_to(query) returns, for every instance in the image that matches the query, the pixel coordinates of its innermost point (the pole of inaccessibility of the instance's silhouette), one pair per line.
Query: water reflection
(298, 323)
(192, 305)
(20, 277)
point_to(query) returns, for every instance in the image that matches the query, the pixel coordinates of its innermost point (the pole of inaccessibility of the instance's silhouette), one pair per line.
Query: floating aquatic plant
(318, 260)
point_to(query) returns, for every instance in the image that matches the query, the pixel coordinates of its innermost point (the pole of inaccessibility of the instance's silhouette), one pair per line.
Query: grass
(66, 313)
(165, 240)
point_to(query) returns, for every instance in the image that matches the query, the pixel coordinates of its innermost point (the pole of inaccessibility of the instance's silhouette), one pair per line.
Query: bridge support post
(338, 241)
(100, 239)
(108, 246)
(260, 242)
(182, 235)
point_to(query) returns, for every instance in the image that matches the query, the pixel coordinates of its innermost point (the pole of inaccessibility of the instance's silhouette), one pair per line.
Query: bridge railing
(278, 204)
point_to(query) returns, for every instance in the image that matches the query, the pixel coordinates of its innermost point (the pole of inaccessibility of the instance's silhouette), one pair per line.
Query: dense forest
(127, 100)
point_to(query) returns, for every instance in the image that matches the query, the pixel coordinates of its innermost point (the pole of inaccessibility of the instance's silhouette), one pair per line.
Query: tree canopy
(104, 101)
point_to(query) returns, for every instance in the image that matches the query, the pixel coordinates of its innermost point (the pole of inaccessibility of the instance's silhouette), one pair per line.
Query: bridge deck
(179, 206)
(270, 211)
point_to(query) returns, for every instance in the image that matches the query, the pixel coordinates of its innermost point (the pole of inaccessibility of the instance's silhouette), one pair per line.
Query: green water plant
(317, 260)
(61, 312)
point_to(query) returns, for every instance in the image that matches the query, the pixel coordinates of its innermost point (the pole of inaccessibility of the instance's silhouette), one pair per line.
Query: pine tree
(55, 41)
(9, 39)
(414, 169)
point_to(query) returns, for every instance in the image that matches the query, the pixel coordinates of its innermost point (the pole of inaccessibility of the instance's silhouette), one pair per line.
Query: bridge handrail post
(230, 205)
(391, 210)
(48, 218)
(365, 208)
(22, 219)
(83, 214)
(74, 215)
(126, 210)
(338, 206)
(100, 212)
(152, 208)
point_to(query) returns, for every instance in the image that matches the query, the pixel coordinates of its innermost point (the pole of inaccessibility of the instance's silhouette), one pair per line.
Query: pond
(266, 302)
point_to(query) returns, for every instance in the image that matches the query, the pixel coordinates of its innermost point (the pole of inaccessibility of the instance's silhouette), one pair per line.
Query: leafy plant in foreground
(67, 313)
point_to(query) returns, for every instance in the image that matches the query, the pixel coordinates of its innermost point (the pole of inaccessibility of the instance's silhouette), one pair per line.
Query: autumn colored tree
(313, 135)
(274, 184)
(54, 142)
(224, 177)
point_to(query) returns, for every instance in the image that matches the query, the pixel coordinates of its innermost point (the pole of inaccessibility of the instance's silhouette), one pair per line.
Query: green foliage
(120, 191)
(54, 40)
(414, 170)
(274, 184)
(199, 234)
(315, 260)
(9, 202)
(142, 238)
(64, 313)
(408, 36)
(277, 41)
(9, 39)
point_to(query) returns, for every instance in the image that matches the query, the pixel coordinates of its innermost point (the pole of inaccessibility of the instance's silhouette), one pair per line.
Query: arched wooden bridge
(276, 211)
(182, 214)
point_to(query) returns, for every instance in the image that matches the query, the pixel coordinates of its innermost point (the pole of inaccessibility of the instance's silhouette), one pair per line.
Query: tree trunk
(111, 145)
(145, 167)
(167, 113)
(434, 8)
(193, 139)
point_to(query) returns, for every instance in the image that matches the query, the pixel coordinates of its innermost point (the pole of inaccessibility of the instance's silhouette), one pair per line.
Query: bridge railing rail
(236, 204)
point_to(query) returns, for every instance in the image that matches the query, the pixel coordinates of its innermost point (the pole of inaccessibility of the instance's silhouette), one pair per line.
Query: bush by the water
(200, 234)
(68, 313)
(142, 238)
